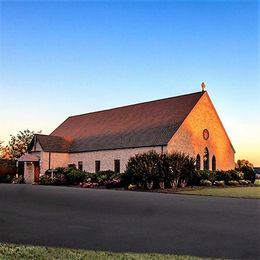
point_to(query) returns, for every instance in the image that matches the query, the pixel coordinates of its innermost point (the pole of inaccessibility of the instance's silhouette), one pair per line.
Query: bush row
(153, 170)
(73, 176)
(220, 178)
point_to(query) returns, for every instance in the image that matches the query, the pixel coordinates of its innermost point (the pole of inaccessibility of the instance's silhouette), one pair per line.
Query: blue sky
(59, 58)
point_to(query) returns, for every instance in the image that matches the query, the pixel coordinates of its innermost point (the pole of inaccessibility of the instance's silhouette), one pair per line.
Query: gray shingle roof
(146, 124)
(53, 143)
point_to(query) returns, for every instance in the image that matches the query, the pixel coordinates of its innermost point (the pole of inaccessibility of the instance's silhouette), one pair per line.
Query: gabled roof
(51, 143)
(29, 158)
(146, 124)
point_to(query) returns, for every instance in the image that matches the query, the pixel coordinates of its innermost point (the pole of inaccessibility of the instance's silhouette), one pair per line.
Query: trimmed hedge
(73, 176)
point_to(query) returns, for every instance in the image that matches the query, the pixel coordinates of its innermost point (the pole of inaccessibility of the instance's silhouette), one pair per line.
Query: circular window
(206, 134)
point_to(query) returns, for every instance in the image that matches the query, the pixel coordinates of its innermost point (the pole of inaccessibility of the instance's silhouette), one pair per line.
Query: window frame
(117, 166)
(80, 165)
(97, 166)
(206, 159)
(198, 162)
(214, 163)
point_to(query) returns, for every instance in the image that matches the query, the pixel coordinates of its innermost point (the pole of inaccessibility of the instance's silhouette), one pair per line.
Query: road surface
(125, 221)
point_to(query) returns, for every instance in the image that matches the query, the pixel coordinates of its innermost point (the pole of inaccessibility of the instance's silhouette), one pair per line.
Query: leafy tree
(18, 144)
(243, 162)
(1, 148)
(3, 151)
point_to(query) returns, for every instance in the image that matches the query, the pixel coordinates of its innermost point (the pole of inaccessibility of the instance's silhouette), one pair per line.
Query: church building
(105, 140)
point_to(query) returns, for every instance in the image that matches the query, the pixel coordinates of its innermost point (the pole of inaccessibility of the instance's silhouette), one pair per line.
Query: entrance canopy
(29, 158)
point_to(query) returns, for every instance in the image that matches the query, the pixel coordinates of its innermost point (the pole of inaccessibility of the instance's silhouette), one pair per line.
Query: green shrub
(132, 187)
(142, 169)
(104, 176)
(249, 173)
(6, 178)
(45, 180)
(60, 170)
(7, 167)
(109, 179)
(152, 169)
(90, 177)
(181, 169)
(223, 176)
(58, 174)
(74, 176)
(233, 183)
(60, 179)
(197, 176)
(244, 182)
(18, 180)
(235, 175)
(204, 182)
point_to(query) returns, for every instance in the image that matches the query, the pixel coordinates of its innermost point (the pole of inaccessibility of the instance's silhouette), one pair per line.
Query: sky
(61, 58)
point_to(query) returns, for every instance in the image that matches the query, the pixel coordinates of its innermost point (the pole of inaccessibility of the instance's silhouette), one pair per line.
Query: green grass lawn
(239, 192)
(257, 182)
(10, 251)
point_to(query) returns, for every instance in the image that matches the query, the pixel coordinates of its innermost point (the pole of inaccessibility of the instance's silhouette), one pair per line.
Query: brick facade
(107, 158)
(189, 138)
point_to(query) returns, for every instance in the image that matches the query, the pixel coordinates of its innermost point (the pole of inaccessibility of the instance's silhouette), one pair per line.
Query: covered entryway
(31, 167)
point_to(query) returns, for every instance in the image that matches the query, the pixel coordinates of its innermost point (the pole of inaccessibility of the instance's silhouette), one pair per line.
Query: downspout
(34, 143)
(162, 149)
(49, 160)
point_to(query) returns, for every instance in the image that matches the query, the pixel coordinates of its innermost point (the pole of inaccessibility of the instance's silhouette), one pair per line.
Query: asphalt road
(129, 221)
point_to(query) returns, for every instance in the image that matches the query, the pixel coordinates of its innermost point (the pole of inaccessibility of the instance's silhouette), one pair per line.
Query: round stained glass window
(206, 134)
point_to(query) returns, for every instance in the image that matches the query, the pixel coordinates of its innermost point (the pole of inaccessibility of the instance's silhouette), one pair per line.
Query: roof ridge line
(136, 104)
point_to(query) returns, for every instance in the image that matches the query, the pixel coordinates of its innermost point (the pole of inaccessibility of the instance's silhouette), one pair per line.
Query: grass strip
(11, 251)
(237, 192)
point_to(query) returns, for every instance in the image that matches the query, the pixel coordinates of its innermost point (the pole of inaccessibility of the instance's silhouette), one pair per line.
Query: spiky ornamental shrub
(142, 169)
(177, 169)
(188, 169)
(175, 161)
(171, 169)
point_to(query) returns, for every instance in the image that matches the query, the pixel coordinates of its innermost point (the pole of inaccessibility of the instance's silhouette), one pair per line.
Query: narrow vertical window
(214, 163)
(80, 165)
(206, 159)
(97, 166)
(117, 166)
(198, 162)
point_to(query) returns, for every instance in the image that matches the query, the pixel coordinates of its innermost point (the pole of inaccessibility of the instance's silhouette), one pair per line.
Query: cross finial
(203, 86)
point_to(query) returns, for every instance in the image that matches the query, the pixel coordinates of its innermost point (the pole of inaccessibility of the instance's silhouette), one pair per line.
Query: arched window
(198, 162)
(214, 163)
(206, 159)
